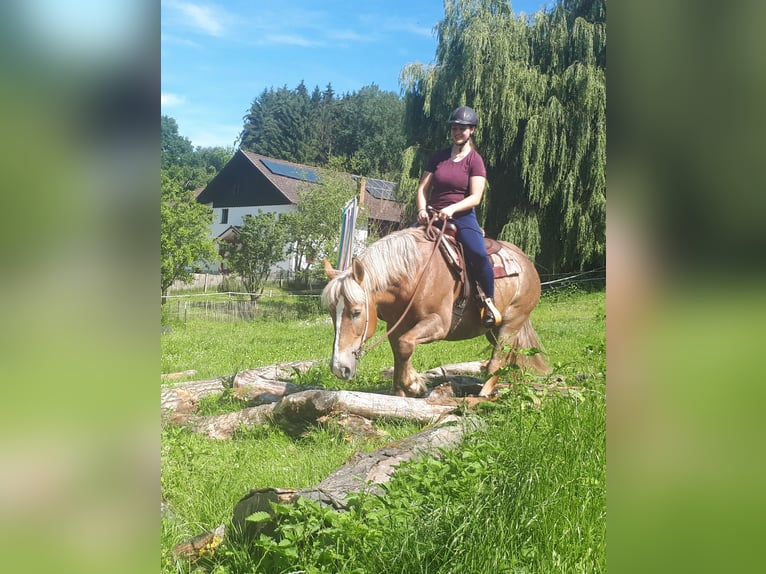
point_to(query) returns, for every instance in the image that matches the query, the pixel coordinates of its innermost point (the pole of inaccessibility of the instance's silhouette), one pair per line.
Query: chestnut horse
(383, 282)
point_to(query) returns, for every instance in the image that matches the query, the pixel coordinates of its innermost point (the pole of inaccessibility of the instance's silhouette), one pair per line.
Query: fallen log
(255, 389)
(271, 379)
(467, 368)
(224, 426)
(186, 396)
(296, 412)
(278, 372)
(363, 473)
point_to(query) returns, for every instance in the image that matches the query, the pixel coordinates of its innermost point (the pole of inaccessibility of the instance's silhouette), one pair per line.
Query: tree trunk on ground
(224, 426)
(295, 408)
(298, 407)
(362, 473)
(296, 412)
(185, 396)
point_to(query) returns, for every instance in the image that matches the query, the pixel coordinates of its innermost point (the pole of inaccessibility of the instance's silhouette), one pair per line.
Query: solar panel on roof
(291, 171)
(381, 189)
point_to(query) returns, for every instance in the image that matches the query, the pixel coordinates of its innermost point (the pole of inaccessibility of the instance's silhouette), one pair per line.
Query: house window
(224, 215)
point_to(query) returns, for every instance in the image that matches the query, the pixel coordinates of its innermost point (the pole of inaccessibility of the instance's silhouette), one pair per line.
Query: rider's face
(460, 133)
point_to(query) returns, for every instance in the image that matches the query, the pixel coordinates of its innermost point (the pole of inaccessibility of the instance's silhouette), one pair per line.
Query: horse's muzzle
(343, 369)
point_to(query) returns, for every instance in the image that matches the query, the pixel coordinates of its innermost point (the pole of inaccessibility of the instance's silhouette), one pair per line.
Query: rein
(432, 235)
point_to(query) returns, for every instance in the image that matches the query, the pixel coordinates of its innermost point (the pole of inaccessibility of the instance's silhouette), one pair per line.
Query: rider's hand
(446, 213)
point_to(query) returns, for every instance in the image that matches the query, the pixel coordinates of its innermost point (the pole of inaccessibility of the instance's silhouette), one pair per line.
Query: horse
(402, 281)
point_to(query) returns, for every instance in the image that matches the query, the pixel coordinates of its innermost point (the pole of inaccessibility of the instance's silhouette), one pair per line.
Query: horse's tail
(525, 340)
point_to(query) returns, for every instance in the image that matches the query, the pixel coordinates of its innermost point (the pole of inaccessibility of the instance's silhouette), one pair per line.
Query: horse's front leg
(407, 381)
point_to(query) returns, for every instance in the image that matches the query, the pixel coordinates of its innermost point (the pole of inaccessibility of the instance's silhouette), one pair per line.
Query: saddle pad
(503, 262)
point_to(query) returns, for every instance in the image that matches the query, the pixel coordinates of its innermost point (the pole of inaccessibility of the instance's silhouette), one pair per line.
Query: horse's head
(354, 317)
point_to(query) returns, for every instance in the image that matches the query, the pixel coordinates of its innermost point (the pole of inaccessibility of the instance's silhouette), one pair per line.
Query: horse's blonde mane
(385, 262)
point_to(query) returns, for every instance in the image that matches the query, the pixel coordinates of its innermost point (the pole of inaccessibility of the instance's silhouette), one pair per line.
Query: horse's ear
(329, 271)
(358, 269)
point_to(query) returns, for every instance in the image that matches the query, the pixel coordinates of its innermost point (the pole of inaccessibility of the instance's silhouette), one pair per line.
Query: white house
(250, 182)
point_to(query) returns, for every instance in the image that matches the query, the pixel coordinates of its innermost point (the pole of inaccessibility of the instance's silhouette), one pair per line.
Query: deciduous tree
(260, 245)
(539, 87)
(314, 227)
(184, 233)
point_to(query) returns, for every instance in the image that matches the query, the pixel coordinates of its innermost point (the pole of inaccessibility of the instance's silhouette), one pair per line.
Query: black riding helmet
(465, 116)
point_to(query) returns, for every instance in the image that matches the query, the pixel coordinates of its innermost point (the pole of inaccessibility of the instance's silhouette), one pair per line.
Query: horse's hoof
(488, 389)
(416, 390)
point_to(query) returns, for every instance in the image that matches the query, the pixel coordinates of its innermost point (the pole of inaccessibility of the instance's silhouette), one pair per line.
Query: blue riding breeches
(470, 236)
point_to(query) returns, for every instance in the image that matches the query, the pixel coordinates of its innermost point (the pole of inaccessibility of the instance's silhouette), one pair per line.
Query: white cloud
(168, 99)
(207, 19)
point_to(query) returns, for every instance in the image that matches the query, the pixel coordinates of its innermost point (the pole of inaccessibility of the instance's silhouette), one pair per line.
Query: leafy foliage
(185, 224)
(261, 244)
(539, 88)
(175, 149)
(314, 226)
(525, 495)
(184, 233)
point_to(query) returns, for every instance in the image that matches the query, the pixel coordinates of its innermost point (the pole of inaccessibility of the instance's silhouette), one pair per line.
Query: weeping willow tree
(538, 85)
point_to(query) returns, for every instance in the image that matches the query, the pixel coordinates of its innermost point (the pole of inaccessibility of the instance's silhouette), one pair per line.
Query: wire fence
(243, 306)
(595, 276)
(236, 306)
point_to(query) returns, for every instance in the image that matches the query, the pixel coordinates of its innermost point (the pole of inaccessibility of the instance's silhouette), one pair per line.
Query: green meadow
(525, 494)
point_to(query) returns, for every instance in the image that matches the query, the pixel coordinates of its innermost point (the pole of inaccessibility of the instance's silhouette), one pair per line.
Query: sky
(217, 57)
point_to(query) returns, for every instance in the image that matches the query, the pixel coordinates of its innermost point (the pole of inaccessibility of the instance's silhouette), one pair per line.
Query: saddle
(504, 264)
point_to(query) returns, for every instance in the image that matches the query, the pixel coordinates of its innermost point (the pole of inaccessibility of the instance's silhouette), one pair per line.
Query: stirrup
(490, 316)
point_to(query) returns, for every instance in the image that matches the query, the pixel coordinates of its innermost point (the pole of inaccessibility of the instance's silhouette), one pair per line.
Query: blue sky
(218, 56)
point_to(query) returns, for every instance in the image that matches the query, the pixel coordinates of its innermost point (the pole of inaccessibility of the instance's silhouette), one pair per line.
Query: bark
(269, 380)
(201, 544)
(185, 397)
(296, 412)
(280, 372)
(224, 426)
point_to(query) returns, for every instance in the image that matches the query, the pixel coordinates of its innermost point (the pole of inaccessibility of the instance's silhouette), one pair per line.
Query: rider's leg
(480, 269)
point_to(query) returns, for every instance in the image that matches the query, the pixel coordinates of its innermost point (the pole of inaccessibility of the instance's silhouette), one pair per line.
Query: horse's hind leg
(512, 336)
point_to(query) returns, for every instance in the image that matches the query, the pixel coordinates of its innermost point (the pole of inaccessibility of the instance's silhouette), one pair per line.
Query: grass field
(527, 494)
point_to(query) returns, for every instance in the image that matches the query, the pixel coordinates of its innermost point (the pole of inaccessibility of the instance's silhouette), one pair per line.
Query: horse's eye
(356, 313)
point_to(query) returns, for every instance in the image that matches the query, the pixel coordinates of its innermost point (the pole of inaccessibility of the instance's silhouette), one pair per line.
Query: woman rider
(453, 184)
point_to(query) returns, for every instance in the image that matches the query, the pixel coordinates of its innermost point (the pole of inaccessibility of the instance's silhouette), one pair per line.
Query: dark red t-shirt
(449, 183)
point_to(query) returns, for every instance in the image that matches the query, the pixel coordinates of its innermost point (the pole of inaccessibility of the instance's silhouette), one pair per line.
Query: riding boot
(490, 316)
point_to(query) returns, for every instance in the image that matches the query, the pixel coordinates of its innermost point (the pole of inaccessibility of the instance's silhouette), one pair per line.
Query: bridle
(359, 351)
(432, 235)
